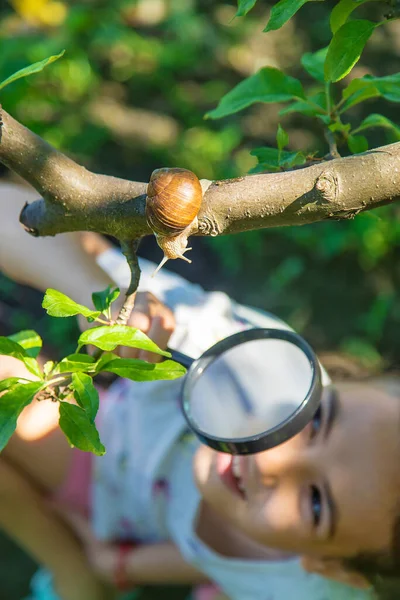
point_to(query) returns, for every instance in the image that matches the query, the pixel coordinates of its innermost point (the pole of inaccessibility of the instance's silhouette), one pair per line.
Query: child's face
(332, 490)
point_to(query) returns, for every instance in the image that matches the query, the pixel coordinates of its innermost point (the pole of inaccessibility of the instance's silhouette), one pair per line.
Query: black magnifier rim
(271, 437)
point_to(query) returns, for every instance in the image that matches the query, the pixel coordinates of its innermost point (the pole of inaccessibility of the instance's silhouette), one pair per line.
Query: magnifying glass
(251, 391)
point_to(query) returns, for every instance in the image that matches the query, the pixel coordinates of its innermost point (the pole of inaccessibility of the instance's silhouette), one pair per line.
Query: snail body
(173, 200)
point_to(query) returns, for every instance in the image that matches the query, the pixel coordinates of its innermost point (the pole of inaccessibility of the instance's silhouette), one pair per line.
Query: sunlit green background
(130, 95)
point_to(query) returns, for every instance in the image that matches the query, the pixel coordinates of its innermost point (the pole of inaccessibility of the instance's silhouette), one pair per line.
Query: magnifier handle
(182, 359)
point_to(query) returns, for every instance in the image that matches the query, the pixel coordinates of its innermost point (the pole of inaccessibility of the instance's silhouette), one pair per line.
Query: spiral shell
(173, 200)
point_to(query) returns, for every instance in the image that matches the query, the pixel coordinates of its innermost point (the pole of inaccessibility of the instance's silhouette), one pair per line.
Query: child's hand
(156, 320)
(149, 315)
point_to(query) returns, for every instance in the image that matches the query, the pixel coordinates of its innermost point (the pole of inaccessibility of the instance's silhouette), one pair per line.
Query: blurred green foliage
(130, 95)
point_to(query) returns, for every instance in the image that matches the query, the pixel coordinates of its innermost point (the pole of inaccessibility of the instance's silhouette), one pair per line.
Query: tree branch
(129, 249)
(75, 199)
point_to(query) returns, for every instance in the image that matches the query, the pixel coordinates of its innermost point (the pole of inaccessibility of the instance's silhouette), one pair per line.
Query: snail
(173, 200)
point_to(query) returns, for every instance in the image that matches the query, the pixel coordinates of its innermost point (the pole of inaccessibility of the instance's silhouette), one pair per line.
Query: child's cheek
(202, 464)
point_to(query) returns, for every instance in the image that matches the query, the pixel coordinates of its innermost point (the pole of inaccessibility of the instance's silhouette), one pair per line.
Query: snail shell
(173, 200)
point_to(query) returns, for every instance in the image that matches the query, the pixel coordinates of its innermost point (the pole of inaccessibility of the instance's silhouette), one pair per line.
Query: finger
(139, 319)
(162, 327)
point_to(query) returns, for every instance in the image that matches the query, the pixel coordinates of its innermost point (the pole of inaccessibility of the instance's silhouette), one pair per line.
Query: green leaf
(58, 304)
(293, 158)
(346, 47)
(245, 6)
(29, 340)
(35, 68)
(358, 91)
(268, 158)
(305, 108)
(388, 87)
(282, 138)
(103, 300)
(282, 11)
(75, 363)
(10, 348)
(376, 120)
(313, 63)
(86, 394)
(368, 87)
(105, 358)
(109, 337)
(11, 405)
(79, 430)
(139, 370)
(272, 160)
(357, 143)
(11, 382)
(267, 85)
(342, 11)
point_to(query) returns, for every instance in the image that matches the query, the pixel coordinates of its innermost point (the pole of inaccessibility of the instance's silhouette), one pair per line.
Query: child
(312, 507)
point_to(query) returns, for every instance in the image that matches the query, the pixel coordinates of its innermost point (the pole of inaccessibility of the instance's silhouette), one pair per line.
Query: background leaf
(58, 304)
(86, 394)
(357, 143)
(11, 405)
(244, 6)
(109, 337)
(305, 108)
(29, 340)
(273, 159)
(282, 11)
(375, 120)
(313, 62)
(282, 138)
(267, 85)
(79, 430)
(139, 370)
(358, 91)
(342, 11)
(35, 68)
(388, 87)
(346, 47)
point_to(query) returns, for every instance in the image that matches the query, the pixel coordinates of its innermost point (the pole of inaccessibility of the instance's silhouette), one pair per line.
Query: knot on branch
(31, 230)
(327, 186)
(209, 226)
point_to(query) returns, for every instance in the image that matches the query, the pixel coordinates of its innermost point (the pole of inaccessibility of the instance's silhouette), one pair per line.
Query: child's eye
(316, 422)
(316, 505)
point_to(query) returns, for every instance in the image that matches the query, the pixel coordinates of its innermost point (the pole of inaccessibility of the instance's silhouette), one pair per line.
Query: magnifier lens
(250, 389)
(248, 395)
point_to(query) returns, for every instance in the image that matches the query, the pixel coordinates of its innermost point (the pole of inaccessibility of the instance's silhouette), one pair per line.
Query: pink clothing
(75, 490)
